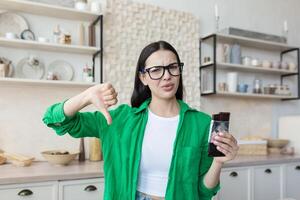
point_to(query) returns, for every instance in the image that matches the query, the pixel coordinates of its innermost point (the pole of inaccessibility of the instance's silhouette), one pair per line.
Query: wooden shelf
(18, 43)
(250, 42)
(254, 69)
(31, 82)
(48, 10)
(251, 95)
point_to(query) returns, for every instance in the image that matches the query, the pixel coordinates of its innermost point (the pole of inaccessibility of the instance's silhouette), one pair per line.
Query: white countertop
(43, 171)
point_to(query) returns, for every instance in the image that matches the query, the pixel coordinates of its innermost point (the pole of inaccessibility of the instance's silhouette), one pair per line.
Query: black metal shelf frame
(214, 66)
(92, 43)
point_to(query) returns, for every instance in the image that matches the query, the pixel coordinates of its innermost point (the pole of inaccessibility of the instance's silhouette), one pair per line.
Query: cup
(292, 66)
(232, 80)
(242, 88)
(255, 62)
(10, 35)
(266, 64)
(246, 60)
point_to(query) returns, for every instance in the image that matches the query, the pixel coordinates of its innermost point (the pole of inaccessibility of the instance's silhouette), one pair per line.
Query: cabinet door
(234, 184)
(87, 189)
(293, 181)
(267, 181)
(34, 191)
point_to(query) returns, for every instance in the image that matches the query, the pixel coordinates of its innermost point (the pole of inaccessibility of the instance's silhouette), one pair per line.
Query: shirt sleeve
(206, 161)
(82, 124)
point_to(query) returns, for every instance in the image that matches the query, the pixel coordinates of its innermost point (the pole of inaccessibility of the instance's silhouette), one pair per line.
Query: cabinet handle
(25, 192)
(90, 188)
(233, 174)
(268, 171)
(297, 167)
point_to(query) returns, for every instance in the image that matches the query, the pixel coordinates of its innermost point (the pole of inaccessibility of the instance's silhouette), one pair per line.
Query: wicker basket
(258, 147)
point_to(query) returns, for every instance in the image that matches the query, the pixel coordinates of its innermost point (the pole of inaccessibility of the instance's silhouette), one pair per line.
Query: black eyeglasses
(157, 72)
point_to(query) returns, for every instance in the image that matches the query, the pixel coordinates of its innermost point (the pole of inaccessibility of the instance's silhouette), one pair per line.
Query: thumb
(107, 116)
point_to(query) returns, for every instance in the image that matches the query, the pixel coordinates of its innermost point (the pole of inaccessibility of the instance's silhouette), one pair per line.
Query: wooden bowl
(59, 157)
(277, 143)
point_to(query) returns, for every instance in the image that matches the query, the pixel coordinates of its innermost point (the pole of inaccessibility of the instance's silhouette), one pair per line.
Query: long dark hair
(142, 92)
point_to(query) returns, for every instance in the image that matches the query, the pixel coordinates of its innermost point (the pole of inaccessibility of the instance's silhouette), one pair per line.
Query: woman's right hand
(103, 96)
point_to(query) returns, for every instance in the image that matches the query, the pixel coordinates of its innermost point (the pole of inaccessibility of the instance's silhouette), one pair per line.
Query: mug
(242, 88)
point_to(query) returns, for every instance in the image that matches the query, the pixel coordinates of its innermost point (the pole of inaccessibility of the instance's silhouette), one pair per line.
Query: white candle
(285, 26)
(216, 10)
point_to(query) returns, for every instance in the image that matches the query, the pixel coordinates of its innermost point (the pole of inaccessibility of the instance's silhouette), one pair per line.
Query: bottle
(81, 151)
(56, 34)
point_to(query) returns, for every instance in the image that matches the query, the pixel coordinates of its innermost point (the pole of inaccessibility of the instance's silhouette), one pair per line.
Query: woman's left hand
(226, 144)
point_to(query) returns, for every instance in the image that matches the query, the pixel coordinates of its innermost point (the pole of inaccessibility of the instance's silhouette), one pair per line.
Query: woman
(157, 147)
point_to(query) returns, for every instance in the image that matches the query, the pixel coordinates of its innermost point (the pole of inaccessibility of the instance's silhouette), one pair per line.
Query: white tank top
(157, 153)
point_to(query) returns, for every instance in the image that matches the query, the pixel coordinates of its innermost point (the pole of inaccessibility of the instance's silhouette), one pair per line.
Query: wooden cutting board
(289, 128)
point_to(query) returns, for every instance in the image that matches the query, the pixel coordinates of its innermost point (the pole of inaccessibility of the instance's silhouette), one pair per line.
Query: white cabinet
(88, 189)
(260, 182)
(32, 191)
(292, 181)
(267, 182)
(235, 182)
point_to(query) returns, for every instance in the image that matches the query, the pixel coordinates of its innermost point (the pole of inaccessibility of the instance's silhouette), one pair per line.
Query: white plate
(11, 22)
(24, 70)
(62, 69)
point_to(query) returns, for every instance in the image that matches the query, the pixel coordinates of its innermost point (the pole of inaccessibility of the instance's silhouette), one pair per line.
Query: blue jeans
(140, 196)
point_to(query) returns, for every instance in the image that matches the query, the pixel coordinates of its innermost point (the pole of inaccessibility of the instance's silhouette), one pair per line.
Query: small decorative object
(292, 66)
(81, 5)
(246, 60)
(207, 59)
(56, 34)
(11, 36)
(27, 35)
(255, 62)
(266, 64)
(257, 86)
(217, 18)
(222, 87)
(223, 53)
(232, 80)
(276, 64)
(95, 6)
(87, 75)
(51, 76)
(285, 30)
(284, 65)
(235, 54)
(65, 38)
(5, 67)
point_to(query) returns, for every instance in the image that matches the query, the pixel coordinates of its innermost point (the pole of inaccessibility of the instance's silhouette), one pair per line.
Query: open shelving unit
(55, 12)
(253, 43)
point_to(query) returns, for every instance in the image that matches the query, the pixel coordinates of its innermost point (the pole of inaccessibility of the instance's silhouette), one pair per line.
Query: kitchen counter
(241, 161)
(43, 171)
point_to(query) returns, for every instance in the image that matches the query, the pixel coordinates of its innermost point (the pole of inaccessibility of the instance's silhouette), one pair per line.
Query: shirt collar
(183, 106)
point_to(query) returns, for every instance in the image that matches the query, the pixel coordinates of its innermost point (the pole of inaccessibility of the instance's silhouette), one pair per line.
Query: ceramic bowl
(59, 157)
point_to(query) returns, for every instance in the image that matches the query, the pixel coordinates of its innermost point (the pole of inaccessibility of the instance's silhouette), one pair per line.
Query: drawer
(34, 191)
(234, 184)
(267, 182)
(87, 189)
(293, 181)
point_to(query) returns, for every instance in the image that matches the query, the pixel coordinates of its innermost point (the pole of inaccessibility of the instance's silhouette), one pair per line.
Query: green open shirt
(122, 145)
